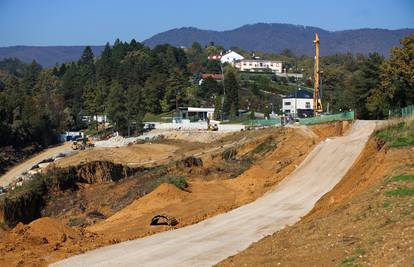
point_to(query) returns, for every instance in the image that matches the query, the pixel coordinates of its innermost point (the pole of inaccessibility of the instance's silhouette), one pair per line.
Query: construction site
(307, 187)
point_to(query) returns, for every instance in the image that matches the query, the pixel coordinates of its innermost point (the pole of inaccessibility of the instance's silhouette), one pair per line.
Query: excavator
(317, 96)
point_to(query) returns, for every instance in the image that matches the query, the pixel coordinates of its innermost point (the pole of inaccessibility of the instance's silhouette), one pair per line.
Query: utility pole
(317, 101)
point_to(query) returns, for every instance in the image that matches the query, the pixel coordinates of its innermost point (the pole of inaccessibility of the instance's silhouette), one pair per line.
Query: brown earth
(356, 223)
(132, 155)
(204, 197)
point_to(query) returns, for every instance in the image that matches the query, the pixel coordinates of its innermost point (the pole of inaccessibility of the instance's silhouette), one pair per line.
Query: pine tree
(135, 106)
(31, 76)
(231, 100)
(116, 109)
(104, 66)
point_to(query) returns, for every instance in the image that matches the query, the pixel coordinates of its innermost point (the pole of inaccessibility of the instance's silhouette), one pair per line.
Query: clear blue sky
(81, 22)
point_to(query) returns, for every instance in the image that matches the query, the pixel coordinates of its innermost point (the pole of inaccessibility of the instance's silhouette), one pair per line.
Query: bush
(178, 181)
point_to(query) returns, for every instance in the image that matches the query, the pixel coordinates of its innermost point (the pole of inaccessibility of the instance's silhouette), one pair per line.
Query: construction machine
(86, 143)
(317, 98)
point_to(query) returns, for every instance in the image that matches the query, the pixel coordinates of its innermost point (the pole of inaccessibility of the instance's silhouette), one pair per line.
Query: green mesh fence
(270, 122)
(326, 118)
(306, 121)
(407, 111)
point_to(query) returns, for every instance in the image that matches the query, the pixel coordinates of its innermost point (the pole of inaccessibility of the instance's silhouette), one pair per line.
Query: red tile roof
(212, 75)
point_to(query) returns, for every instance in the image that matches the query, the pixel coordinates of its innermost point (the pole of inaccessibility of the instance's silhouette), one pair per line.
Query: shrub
(178, 181)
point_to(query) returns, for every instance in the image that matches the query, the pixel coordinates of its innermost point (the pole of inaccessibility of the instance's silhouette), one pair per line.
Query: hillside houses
(251, 65)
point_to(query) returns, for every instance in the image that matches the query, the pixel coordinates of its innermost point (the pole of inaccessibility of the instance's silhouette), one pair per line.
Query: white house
(231, 57)
(254, 65)
(196, 114)
(298, 103)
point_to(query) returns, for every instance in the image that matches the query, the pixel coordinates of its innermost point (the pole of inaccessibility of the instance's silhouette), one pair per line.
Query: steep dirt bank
(27, 203)
(357, 223)
(212, 190)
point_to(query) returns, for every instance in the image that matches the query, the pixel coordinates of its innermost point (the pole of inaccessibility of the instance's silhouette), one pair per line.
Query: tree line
(129, 80)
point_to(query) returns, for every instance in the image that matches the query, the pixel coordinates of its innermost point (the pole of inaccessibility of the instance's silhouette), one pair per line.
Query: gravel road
(19, 169)
(212, 240)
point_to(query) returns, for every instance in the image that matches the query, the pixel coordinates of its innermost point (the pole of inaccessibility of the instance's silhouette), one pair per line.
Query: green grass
(349, 261)
(398, 135)
(239, 120)
(386, 204)
(401, 192)
(179, 181)
(163, 117)
(403, 178)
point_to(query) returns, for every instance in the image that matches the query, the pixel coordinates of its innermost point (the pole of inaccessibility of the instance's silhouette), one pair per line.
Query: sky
(95, 22)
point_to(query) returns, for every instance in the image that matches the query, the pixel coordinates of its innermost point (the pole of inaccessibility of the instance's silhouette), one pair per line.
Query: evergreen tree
(31, 76)
(116, 109)
(104, 66)
(231, 101)
(135, 106)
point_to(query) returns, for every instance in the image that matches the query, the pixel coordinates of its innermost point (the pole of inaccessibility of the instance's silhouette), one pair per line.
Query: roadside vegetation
(398, 135)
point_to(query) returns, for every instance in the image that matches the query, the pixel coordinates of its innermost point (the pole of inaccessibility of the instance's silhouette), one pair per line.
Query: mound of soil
(48, 230)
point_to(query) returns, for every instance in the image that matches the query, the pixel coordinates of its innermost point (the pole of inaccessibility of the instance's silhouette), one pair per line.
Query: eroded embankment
(362, 221)
(267, 157)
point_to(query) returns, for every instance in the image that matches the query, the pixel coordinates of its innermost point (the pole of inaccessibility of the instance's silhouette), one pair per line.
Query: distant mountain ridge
(274, 37)
(47, 56)
(266, 37)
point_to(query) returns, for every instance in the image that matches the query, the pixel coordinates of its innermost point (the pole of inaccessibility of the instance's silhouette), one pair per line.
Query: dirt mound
(48, 230)
(132, 154)
(164, 195)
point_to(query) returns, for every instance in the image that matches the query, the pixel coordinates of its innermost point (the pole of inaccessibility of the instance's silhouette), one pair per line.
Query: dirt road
(219, 237)
(18, 170)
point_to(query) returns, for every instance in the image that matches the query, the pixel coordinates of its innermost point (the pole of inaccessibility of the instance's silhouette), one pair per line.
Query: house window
(287, 103)
(287, 110)
(308, 105)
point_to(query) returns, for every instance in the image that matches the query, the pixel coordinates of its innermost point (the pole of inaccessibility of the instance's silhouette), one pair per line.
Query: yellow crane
(317, 101)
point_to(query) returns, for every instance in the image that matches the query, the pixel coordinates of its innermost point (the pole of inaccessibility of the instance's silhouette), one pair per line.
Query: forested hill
(277, 37)
(46, 56)
(257, 37)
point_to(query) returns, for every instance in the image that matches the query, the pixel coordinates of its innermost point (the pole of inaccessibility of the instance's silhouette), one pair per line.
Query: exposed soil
(356, 223)
(129, 155)
(119, 211)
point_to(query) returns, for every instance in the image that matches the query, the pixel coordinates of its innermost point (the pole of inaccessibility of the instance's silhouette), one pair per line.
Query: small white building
(196, 114)
(298, 103)
(231, 57)
(254, 65)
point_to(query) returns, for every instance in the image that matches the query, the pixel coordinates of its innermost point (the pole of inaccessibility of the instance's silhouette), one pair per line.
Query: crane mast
(317, 102)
